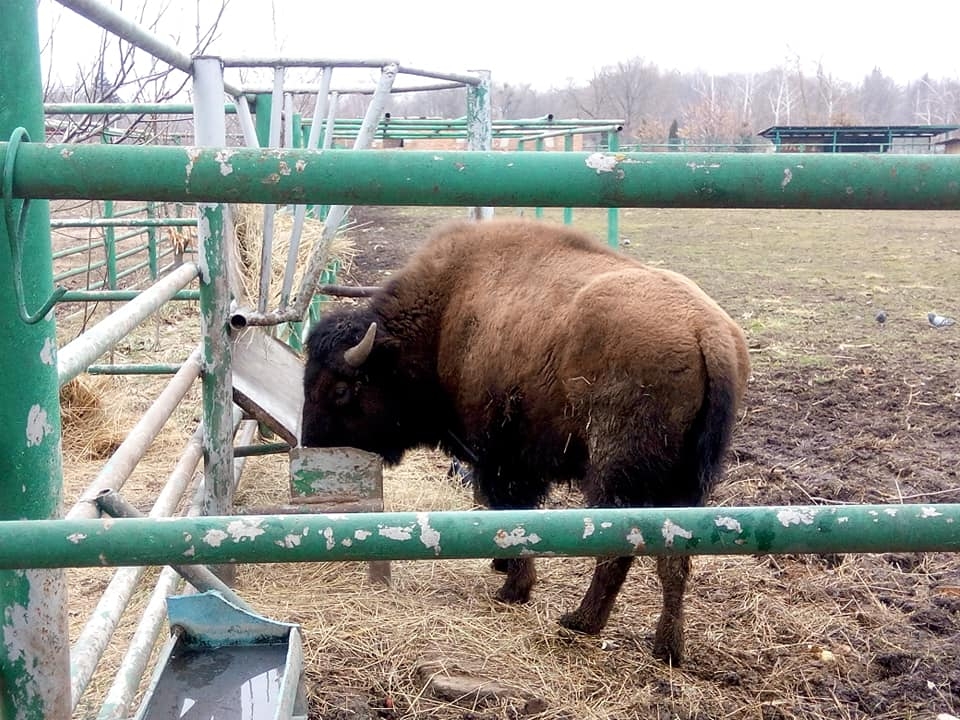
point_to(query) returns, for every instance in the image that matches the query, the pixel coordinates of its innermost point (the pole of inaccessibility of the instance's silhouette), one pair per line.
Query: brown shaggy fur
(538, 355)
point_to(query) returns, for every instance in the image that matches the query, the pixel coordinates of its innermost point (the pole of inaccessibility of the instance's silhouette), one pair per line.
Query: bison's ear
(358, 354)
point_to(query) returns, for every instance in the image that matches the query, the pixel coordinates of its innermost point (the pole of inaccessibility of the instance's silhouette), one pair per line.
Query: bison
(538, 355)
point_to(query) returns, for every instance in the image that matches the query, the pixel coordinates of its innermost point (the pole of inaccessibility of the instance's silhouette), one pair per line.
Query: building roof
(853, 133)
(854, 138)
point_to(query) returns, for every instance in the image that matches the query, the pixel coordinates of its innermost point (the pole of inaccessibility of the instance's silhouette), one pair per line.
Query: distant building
(949, 141)
(860, 138)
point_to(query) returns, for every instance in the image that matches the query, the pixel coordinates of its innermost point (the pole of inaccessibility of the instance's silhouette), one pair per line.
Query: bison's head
(350, 394)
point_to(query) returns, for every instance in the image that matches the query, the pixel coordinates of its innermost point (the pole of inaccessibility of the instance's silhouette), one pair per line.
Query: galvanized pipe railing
(73, 358)
(300, 211)
(135, 445)
(482, 534)
(90, 645)
(510, 179)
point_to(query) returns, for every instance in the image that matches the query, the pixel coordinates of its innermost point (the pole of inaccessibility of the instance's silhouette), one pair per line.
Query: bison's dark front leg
(594, 610)
(521, 576)
(668, 640)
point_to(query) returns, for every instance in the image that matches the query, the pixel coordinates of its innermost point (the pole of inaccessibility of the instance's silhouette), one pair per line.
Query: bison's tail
(728, 366)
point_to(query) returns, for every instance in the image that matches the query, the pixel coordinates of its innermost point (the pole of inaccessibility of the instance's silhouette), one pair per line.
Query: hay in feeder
(87, 431)
(248, 227)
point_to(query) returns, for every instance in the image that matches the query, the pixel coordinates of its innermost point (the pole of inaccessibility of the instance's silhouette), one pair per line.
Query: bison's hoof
(513, 595)
(668, 647)
(581, 623)
(499, 565)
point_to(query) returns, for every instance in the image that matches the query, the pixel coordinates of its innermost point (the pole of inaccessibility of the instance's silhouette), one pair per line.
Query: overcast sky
(531, 42)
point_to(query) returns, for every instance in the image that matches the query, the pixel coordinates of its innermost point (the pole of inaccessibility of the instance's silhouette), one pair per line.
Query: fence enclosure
(40, 675)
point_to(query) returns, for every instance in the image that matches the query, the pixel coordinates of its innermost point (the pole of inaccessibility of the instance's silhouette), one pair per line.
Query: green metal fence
(35, 678)
(107, 261)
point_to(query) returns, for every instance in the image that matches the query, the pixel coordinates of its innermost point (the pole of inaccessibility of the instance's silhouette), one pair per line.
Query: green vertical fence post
(568, 211)
(297, 123)
(521, 146)
(110, 247)
(263, 104)
(34, 643)
(214, 308)
(613, 214)
(480, 127)
(152, 242)
(538, 146)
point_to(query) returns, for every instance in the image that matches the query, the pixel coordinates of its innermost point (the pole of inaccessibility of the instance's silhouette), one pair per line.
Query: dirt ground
(840, 409)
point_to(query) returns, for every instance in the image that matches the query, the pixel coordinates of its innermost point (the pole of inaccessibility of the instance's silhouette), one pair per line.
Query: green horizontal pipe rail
(132, 234)
(128, 211)
(480, 534)
(77, 249)
(125, 108)
(136, 369)
(133, 270)
(518, 179)
(118, 295)
(80, 270)
(118, 222)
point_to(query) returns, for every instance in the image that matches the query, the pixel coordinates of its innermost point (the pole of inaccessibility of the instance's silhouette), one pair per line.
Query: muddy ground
(840, 409)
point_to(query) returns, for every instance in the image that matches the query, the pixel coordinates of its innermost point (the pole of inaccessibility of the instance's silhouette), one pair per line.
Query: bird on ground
(881, 317)
(940, 321)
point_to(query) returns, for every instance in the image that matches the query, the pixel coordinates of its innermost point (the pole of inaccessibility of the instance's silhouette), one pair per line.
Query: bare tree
(120, 72)
(781, 97)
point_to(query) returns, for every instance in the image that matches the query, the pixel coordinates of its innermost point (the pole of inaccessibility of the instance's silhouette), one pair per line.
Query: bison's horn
(358, 354)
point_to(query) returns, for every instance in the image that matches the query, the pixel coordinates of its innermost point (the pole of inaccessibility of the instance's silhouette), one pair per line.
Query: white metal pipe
(135, 445)
(313, 89)
(453, 77)
(363, 140)
(287, 120)
(133, 666)
(300, 211)
(248, 428)
(334, 102)
(270, 209)
(246, 123)
(320, 108)
(276, 107)
(87, 651)
(294, 62)
(77, 355)
(134, 663)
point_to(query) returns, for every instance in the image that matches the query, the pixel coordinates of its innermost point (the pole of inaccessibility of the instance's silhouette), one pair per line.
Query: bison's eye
(341, 393)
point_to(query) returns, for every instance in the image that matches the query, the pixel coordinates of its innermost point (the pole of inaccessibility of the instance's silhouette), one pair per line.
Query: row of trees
(656, 104)
(717, 109)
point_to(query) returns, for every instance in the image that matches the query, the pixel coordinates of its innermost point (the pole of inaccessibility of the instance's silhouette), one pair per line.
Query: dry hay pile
(767, 637)
(248, 226)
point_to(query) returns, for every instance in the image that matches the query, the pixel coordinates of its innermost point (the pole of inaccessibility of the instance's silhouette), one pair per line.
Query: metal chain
(16, 232)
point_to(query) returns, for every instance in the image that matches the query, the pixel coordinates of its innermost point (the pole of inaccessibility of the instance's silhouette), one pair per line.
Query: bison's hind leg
(595, 608)
(668, 640)
(521, 576)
